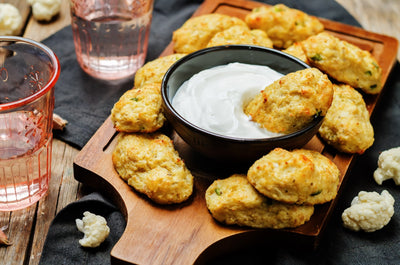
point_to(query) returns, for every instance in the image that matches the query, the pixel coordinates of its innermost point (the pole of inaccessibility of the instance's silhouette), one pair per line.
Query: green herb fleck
(218, 191)
(376, 66)
(368, 72)
(278, 9)
(373, 86)
(316, 193)
(135, 99)
(317, 114)
(257, 9)
(316, 57)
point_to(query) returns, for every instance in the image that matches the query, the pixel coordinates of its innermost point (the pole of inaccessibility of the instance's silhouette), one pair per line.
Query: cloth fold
(62, 241)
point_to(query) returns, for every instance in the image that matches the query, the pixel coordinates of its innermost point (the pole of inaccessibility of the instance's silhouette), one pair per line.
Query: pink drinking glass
(28, 72)
(111, 36)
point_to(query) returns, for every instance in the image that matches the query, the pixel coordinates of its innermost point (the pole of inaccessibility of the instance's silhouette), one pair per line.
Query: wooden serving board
(187, 233)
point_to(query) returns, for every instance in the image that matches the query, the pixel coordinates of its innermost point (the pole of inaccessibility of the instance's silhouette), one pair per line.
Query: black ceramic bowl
(224, 147)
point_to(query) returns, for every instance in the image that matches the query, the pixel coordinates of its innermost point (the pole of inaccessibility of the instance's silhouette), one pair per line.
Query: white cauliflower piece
(388, 166)
(10, 20)
(95, 229)
(369, 211)
(45, 10)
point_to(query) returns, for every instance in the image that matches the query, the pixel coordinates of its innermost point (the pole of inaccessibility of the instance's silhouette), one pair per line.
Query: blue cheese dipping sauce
(214, 99)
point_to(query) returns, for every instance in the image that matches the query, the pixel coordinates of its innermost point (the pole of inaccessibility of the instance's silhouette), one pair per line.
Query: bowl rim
(168, 104)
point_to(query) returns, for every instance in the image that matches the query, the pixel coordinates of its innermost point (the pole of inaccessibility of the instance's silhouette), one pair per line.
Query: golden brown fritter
(150, 164)
(297, 177)
(328, 180)
(235, 201)
(154, 71)
(240, 35)
(347, 125)
(284, 176)
(297, 51)
(196, 32)
(261, 38)
(344, 62)
(291, 103)
(139, 110)
(283, 25)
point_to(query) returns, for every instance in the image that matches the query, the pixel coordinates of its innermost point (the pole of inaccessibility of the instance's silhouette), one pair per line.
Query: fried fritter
(328, 173)
(283, 25)
(151, 165)
(235, 201)
(261, 38)
(154, 71)
(139, 110)
(292, 102)
(196, 32)
(301, 177)
(344, 62)
(240, 35)
(297, 51)
(347, 125)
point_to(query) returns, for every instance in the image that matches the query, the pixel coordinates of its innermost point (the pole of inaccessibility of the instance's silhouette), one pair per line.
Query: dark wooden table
(27, 228)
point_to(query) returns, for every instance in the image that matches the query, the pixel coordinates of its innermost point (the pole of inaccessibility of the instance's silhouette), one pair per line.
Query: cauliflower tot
(235, 201)
(283, 25)
(344, 62)
(154, 71)
(196, 32)
(240, 35)
(369, 211)
(388, 166)
(292, 102)
(347, 125)
(139, 110)
(300, 176)
(296, 50)
(151, 165)
(95, 229)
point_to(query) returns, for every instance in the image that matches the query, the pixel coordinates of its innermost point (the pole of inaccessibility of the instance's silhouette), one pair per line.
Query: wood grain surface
(27, 228)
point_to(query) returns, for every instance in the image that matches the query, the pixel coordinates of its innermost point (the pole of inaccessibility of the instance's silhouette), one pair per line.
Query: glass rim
(49, 84)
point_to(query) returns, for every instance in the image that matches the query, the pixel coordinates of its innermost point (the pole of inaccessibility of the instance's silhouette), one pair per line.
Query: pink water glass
(111, 36)
(28, 73)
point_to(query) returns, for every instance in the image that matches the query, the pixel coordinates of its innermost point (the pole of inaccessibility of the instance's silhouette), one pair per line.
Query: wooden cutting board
(186, 233)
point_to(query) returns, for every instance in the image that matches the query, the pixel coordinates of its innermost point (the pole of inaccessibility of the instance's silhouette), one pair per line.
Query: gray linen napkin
(62, 246)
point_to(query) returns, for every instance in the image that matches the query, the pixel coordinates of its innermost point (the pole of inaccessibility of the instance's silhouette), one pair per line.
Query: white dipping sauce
(213, 99)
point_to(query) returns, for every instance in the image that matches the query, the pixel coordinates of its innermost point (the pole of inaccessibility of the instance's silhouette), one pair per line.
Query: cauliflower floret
(10, 20)
(388, 166)
(369, 211)
(95, 229)
(45, 9)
